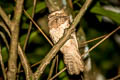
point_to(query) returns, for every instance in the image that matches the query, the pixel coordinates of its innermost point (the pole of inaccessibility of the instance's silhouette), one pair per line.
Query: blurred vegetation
(106, 56)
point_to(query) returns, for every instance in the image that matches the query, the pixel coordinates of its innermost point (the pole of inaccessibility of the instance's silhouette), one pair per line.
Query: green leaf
(63, 75)
(97, 9)
(39, 7)
(25, 25)
(99, 17)
(34, 37)
(5, 54)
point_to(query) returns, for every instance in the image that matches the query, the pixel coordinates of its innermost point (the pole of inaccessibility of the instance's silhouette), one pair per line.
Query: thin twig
(5, 18)
(30, 26)
(4, 39)
(57, 47)
(36, 63)
(12, 61)
(38, 27)
(115, 78)
(86, 42)
(52, 69)
(2, 64)
(58, 73)
(5, 28)
(107, 36)
(57, 60)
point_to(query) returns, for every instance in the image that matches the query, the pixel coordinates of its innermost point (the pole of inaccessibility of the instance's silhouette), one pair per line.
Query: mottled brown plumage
(58, 22)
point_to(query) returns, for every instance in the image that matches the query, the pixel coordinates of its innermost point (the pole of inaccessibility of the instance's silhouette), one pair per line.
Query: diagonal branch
(115, 78)
(5, 18)
(4, 39)
(5, 28)
(52, 68)
(25, 63)
(38, 28)
(94, 39)
(58, 73)
(66, 36)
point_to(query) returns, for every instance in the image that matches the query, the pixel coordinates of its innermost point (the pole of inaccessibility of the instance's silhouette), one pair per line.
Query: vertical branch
(12, 61)
(2, 64)
(30, 26)
(23, 58)
(52, 68)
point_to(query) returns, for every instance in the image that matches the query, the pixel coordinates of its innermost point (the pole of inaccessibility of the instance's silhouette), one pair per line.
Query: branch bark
(4, 39)
(5, 28)
(5, 18)
(26, 66)
(12, 61)
(30, 26)
(66, 36)
(23, 58)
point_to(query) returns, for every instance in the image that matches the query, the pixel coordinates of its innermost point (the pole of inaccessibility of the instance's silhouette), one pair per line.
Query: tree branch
(12, 61)
(58, 73)
(115, 78)
(30, 26)
(38, 28)
(4, 39)
(5, 18)
(5, 28)
(23, 58)
(25, 63)
(66, 36)
(52, 68)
